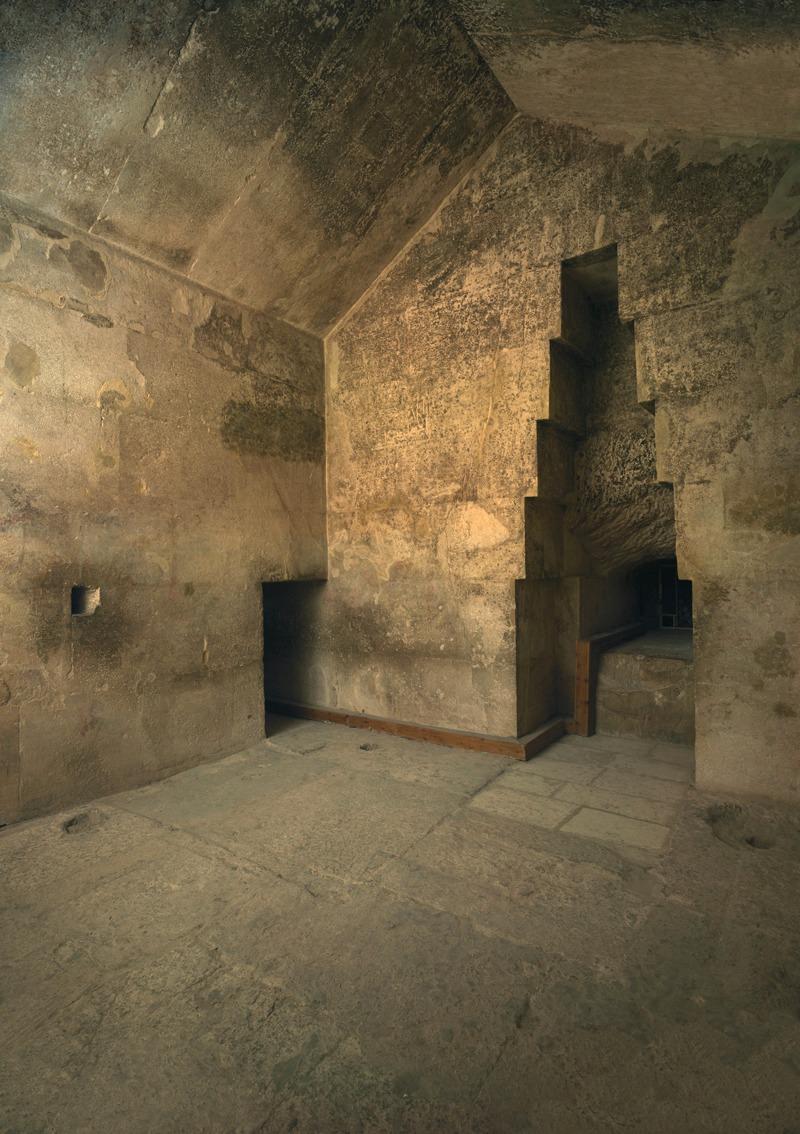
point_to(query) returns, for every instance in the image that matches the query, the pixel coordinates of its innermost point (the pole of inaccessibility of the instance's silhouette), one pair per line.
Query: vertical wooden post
(587, 664)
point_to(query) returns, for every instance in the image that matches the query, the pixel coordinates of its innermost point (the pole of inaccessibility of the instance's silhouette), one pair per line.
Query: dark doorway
(665, 600)
(293, 669)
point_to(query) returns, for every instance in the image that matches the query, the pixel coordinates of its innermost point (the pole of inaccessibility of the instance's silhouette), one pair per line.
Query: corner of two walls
(162, 445)
(189, 431)
(442, 374)
(431, 451)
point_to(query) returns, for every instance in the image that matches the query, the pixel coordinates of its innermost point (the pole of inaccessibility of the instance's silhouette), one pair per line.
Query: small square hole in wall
(84, 600)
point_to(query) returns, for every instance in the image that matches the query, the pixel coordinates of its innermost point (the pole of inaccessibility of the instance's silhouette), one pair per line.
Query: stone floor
(338, 931)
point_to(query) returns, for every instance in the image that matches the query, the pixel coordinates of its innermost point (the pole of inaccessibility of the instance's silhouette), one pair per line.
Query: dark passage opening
(294, 670)
(665, 601)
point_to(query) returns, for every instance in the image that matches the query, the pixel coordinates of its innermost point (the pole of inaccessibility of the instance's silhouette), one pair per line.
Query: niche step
(645, 688)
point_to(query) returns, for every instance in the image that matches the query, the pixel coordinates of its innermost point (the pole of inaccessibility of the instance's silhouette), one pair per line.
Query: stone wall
(623, 516)
(438, 378)
(646, 692)
(164, 446)
(598, 512)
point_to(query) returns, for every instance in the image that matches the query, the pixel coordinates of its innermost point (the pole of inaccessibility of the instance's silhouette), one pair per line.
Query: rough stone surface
(278, 153)
(165, 447)
(620, 514)
(437, 387)
(311, 937)
(725, 67)
(647, 691)
(488, 493)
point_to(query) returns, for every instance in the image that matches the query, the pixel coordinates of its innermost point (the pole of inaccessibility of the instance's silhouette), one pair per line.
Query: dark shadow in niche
(665, 601)
(294, 671)
(600, 511)
(84, 601)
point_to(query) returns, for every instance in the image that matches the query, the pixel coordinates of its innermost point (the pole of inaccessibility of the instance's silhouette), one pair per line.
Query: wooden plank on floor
(517, 747)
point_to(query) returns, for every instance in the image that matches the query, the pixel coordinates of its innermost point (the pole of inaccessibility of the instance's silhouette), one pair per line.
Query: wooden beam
(587, 664)
(517, 747)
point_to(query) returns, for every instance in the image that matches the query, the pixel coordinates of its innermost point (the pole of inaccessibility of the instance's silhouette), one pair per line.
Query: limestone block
(650, 697)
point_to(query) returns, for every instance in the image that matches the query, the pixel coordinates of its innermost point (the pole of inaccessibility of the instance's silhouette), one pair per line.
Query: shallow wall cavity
(162, 454)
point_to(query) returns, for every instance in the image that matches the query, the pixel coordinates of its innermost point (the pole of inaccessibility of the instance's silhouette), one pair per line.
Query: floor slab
(340, 931)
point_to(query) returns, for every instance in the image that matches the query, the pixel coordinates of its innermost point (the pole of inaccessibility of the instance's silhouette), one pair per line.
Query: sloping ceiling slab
(708, 67)
(77, 82)
(278, 151)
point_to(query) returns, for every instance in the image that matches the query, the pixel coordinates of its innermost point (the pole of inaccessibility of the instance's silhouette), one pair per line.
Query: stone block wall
(646, 696)
(167, 447)
(436, 383)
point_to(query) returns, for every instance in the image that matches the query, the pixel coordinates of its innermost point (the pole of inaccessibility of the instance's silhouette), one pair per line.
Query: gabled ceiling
(278, 151)
(282, 152)
(726, 68)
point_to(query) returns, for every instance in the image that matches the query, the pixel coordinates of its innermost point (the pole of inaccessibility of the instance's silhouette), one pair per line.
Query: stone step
(647, 691)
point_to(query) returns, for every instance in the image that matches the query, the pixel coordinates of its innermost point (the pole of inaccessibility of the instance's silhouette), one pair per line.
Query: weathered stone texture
(164, 446)
(646, 694)
(436, 383)
(718, 67)
(279, 153)
(621, 515)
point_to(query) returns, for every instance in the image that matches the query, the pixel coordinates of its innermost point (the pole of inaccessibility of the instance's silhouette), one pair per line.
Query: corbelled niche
(599, 512)
(448, 406)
